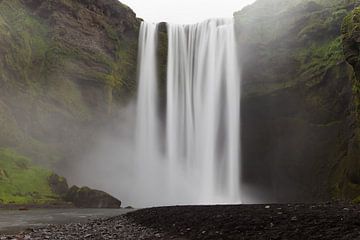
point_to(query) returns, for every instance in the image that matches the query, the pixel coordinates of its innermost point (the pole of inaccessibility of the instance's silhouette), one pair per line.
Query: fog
(111, 166)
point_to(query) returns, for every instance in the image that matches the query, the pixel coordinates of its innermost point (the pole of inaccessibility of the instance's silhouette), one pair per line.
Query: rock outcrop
(88, 198)
(81, 197)
(58, 185)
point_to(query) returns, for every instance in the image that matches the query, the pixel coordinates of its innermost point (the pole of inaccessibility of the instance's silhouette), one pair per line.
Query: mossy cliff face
(347, 176)
(296, 111)
(66, 66)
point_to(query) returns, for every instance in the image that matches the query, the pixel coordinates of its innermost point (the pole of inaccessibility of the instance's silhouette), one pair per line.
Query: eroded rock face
(88, 198)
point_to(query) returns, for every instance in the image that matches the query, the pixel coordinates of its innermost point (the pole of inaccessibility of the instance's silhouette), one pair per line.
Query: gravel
(254, 222)
(114, 228)
(246, 222)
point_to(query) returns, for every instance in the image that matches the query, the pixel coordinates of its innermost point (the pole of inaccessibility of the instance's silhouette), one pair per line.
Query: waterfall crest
(194, 158)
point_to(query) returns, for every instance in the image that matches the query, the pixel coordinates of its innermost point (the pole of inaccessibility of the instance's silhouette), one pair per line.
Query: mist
(111, 165)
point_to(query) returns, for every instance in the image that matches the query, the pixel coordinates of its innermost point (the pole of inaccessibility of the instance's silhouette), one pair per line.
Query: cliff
(298, 94)
(65, 68)
(348, 173)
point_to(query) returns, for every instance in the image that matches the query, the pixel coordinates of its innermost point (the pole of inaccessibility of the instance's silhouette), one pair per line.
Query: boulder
(88, 198)
(58, 185)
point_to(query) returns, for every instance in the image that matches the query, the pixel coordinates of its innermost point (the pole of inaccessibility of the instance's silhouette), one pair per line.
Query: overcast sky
(184, 11)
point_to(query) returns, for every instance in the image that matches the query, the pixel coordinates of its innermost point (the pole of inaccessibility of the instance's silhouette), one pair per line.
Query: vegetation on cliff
(21, 182)
(347, 176)
(297, 108)
(65, 68)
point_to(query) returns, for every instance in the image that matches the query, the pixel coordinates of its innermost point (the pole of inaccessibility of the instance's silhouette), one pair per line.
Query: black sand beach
(293, 221)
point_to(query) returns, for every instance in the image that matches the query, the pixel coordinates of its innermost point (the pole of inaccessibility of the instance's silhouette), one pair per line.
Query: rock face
(88, 198)
(65, 68)
(349, 181)
(297, 121)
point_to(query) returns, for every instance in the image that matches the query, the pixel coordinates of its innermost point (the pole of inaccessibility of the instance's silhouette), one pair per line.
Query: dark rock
(88, 198)
(82, 197)
(58, 185)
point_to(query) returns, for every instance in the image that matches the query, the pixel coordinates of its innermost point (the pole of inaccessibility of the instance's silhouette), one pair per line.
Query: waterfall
(193, 157)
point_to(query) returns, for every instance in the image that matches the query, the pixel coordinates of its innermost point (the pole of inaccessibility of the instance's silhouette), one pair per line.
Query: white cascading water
(194, 157)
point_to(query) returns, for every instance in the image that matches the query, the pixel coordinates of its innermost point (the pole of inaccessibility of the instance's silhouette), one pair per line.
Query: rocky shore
(293, 221)
(113, 228)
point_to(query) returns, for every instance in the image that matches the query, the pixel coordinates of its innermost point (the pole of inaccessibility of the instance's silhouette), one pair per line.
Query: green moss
(124, 70)
(24, 42)
(319, 57)
(21, 182)
(351, 24)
